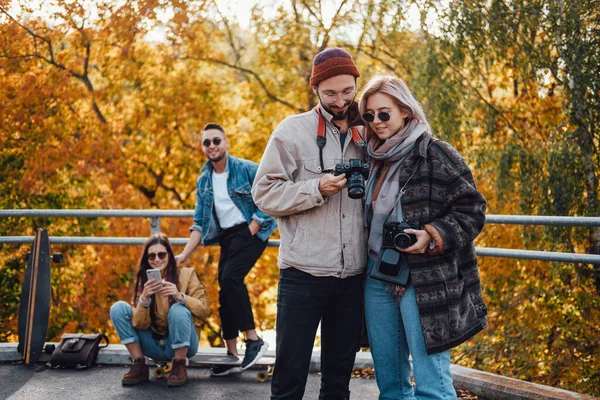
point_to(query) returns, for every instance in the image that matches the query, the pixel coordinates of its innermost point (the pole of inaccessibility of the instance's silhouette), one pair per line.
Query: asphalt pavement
(18, 381)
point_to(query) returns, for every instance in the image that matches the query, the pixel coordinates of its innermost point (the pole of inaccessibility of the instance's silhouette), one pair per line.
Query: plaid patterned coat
(443, 197)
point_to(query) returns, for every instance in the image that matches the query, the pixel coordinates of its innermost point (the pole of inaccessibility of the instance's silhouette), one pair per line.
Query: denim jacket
(239, 185)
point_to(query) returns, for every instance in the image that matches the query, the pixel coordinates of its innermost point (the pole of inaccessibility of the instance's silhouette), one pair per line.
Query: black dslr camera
(356, 172)
(392, 265)
(395, 237)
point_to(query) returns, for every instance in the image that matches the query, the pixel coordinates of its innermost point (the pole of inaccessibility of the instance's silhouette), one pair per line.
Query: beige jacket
(195, 300)
(320, 236)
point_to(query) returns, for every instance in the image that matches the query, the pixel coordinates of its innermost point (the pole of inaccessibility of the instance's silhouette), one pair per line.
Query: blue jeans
(395, 332)
(303, 301)
(181, 332)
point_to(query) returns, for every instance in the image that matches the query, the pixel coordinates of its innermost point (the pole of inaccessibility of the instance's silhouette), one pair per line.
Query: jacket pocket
(288, 228)
(244, 192)
(460, 307)
(312, 168)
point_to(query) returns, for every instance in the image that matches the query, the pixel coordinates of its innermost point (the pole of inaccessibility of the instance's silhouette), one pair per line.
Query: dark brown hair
(171, 271)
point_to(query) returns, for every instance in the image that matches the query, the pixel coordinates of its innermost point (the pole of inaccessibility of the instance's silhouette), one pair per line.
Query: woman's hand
(151, 287)
(170, 289)
(422, 244)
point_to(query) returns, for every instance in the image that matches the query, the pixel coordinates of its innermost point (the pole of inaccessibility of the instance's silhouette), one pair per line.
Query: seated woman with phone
(160, 324)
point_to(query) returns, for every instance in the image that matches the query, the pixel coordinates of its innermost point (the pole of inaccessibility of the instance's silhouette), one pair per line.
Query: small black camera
(356, 172)
(395, 237)
(392, 265)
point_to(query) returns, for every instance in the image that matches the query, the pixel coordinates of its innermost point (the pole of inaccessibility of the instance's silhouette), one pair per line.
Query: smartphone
(153, 274)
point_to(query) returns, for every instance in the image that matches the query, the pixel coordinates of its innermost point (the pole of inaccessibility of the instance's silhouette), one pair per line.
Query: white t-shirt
(227, 213)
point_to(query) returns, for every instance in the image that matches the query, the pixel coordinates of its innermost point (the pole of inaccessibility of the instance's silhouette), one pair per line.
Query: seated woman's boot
(178, 375)
(137, 374)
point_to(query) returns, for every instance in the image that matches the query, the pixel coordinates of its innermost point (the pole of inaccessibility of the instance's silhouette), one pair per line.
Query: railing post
(154, 225)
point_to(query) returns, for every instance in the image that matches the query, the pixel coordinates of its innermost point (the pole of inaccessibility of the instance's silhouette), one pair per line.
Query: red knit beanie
(331, 62)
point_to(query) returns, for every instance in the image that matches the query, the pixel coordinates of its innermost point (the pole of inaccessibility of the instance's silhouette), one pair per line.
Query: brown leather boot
(178, 375)
(137, 374)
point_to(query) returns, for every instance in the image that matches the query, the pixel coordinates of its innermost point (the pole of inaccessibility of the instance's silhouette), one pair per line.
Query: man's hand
(195, 239)
(179, 258)
(330, 184)
(422, 243)
(254, 227)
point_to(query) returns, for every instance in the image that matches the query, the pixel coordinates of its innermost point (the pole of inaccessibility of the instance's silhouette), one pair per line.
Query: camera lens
(356, 186)
(402, 241)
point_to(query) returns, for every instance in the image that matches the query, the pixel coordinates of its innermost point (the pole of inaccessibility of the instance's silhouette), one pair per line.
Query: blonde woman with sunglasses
(423, 210)
(160, 325)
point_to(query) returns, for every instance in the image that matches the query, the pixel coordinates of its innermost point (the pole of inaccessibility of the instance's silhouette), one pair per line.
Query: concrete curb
(500, 387)
(484, 384)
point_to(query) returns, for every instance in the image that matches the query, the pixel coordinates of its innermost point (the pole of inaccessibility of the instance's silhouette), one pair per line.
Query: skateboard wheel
(167, 367)
(49, 348)
(57, 258)
(262, 376)
(159, 373)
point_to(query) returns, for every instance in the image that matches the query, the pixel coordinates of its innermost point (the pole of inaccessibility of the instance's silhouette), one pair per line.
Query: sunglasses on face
(216, 141)
(370, 117)
(161, 256)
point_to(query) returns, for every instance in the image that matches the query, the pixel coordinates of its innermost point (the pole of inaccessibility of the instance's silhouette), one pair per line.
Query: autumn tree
(96, 114)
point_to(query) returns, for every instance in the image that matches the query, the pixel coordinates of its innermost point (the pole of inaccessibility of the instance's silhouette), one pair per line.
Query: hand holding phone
(154, 284)
(153, 274)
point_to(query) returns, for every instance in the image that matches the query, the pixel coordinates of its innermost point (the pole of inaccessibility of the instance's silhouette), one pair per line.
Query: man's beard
(336, 115)
(217, 157)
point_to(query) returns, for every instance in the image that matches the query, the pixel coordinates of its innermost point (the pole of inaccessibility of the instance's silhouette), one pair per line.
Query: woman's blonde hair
(398, 91)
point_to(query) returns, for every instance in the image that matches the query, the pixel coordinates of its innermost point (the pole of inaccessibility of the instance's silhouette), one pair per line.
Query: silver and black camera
(392, 265)
(395, 237)
(356, 172)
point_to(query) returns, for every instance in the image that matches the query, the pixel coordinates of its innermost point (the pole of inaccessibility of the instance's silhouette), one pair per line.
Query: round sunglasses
(161, 255)
(370, 117)
(216, 141)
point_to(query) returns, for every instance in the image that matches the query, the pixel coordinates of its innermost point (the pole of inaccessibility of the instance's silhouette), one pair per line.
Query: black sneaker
(254, 351)
(224, 370)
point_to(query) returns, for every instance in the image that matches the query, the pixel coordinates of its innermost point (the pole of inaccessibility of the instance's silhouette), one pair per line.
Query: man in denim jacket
(226, 214)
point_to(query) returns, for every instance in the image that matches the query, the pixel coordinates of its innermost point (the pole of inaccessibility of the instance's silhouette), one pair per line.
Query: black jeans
(239, 252)
(303, 301)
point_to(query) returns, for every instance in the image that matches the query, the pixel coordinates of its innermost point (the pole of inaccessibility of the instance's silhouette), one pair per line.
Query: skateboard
(265, 364)
(34, 306)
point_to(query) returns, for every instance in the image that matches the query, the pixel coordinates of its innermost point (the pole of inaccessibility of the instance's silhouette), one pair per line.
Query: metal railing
(155, 215)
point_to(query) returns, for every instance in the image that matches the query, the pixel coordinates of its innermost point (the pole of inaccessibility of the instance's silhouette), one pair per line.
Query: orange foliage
(95, 115)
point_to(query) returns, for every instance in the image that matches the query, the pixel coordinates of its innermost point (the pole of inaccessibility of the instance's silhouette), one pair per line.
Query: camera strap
(399, 214)
(322, 140)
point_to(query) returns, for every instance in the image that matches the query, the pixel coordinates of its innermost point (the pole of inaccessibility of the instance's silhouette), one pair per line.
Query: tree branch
(253, 74)
(482, 97)
(83, 77)
(230, 36)
(159, 179)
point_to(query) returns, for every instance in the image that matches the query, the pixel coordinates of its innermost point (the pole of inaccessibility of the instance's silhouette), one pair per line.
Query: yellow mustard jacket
(195, 300)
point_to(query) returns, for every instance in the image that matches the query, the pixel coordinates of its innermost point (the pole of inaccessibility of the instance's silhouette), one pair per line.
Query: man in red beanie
(322, 253)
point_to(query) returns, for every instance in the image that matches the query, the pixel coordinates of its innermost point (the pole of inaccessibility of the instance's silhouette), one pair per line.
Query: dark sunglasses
(161, 256)
(383, 116)
(216, 141)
